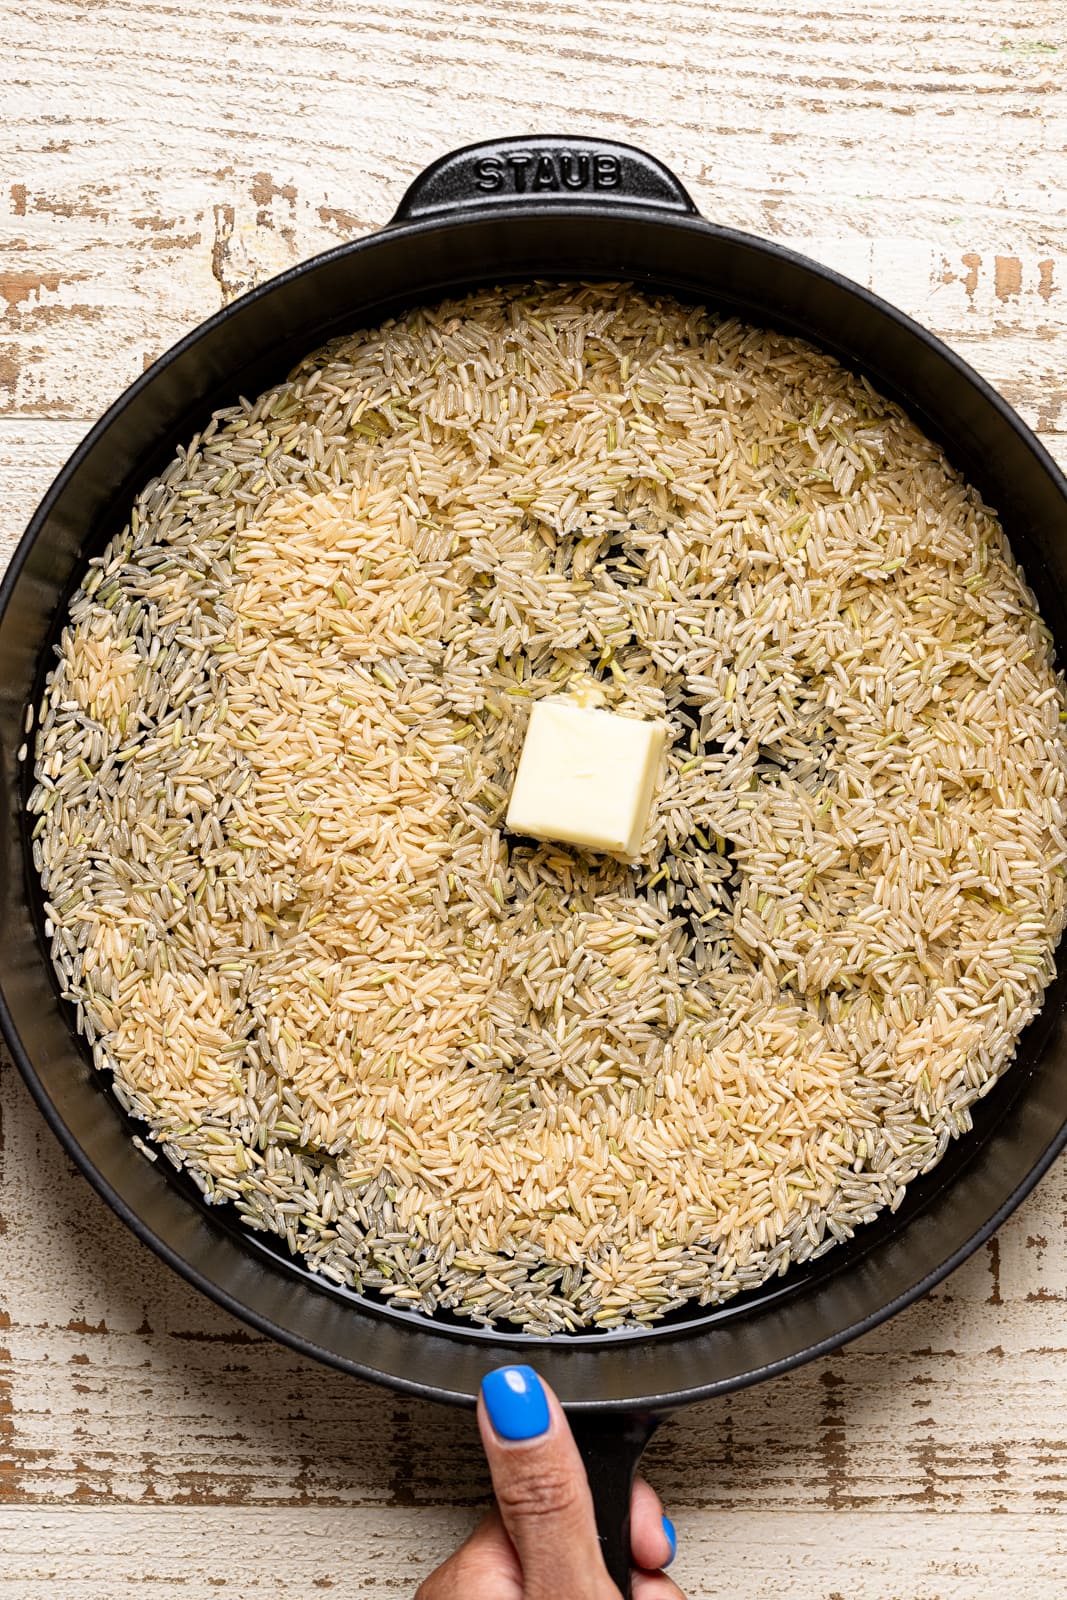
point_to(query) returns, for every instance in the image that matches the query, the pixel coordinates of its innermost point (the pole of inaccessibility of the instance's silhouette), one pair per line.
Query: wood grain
(304, 1553)
(159, 159)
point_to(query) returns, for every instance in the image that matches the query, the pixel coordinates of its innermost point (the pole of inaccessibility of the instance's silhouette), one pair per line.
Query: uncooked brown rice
(475, 1072)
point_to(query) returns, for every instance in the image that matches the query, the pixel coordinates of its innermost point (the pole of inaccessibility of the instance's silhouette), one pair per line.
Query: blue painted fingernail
(668, 1528)
(516, 1403)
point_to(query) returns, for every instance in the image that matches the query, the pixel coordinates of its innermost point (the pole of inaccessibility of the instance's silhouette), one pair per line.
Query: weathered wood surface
(156, 161)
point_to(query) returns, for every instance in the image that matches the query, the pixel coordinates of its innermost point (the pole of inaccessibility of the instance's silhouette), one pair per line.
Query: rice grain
(509, 1079)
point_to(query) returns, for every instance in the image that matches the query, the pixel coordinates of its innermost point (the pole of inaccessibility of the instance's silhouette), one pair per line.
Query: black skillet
(517, 209)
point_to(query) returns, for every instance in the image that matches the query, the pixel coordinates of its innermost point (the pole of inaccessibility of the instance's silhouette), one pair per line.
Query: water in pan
(503, 1078)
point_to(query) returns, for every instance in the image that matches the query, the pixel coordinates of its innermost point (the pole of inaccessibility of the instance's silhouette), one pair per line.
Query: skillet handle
(611, 1448)
(543, 171)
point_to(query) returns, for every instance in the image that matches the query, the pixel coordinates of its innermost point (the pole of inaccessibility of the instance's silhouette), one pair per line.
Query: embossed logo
(546, 172)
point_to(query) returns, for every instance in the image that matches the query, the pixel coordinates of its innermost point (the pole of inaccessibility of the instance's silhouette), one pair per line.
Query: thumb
(541, 1488)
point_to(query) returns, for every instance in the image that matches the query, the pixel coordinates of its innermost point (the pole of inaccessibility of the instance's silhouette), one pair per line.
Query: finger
(655, 1586)
(541, 1488)
(489, 1553)
(484, 1565)
(652, 1537)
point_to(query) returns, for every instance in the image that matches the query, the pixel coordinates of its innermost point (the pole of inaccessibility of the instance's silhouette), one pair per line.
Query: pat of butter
(586, 776)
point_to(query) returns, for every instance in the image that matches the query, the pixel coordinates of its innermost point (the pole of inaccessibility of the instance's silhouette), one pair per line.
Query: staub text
(538, 171)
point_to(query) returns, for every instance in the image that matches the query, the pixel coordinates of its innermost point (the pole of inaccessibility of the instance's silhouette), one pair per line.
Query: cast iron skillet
(514, 210)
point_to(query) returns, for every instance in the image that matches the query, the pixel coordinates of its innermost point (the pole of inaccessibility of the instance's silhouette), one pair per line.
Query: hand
(540, 1542)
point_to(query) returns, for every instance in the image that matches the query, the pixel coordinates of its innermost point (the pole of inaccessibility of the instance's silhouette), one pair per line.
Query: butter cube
(586, 776)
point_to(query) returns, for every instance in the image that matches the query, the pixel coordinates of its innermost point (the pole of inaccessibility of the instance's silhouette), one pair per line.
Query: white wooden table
(157, 160)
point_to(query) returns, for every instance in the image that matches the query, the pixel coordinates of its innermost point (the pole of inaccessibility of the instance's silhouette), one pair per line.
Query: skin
(539, 1541)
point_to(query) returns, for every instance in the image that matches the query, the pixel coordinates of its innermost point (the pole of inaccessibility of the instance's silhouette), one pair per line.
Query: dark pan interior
(1018, 1126)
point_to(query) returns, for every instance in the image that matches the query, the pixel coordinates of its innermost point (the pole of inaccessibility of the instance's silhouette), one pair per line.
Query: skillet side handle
(611, 1448)
(542, 170)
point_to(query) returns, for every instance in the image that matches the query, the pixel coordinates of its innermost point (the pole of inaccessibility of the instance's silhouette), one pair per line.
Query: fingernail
(668, 1528)
(516, 1403)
